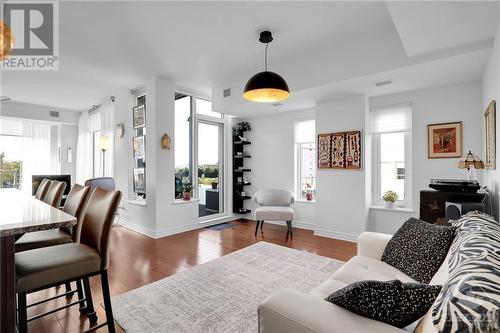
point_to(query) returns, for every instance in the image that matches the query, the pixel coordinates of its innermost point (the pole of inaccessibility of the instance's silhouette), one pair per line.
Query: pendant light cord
(265, 59)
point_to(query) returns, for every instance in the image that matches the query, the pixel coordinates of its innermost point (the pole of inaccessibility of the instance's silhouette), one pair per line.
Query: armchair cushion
(274, 213)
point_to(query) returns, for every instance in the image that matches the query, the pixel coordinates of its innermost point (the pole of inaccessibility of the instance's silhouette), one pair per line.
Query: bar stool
(48, 267)
(42, 189)
(55, 193)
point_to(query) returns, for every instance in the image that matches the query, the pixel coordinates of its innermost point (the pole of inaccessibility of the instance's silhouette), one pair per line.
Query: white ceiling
(429, 26)
(321, 48)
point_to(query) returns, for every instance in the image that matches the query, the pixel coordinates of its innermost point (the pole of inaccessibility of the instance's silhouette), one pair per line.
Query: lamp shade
(103, 142)
(266, 87)
(470, 161)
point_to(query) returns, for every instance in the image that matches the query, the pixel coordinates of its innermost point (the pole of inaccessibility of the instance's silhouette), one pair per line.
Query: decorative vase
(186, 196)
(309, 196)
(389, 204)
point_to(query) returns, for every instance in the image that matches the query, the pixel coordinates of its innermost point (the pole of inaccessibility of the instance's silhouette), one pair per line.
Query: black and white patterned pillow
(392, 302)
(419, 248)
(470, 299)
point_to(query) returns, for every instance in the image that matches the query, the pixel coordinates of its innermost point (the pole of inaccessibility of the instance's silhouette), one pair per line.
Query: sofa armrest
(372, 244)
(290, 311)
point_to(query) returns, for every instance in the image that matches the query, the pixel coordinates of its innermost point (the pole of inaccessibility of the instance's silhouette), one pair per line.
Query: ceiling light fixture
(266, 87)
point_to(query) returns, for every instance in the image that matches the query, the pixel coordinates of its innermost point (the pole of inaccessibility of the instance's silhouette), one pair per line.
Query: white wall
(341, 208)
(433, 105)
(272, 160)
(491, 90)
(160, 214)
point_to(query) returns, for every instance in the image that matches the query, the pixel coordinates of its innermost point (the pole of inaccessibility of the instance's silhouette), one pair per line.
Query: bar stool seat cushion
(38, 239)
(53, 264)
(274, 213)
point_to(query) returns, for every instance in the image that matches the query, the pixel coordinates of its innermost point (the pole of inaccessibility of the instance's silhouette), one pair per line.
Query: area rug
(221, 295)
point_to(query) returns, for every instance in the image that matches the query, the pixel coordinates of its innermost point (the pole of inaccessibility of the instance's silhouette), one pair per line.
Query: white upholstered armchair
(274, 205)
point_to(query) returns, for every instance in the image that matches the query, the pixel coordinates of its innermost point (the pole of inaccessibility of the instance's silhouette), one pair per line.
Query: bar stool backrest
(55, 193)
(75, 205)
(43, 188)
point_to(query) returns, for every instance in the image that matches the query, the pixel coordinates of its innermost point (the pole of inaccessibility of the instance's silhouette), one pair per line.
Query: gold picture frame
(490, 136)
(445, 140)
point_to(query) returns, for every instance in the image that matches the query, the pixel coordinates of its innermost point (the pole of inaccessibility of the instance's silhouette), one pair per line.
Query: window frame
(376, 176)
(298, 168)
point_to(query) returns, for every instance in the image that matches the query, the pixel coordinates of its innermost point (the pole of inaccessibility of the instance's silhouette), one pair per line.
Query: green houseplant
(186, 190)
(390, 197)
(241, 127)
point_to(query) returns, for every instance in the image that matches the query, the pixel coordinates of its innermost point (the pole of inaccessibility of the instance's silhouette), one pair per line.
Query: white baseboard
(136, 227)
(335, 234)
(171, 231)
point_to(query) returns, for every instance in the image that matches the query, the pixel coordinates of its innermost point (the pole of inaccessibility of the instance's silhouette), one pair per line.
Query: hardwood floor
(137, 260)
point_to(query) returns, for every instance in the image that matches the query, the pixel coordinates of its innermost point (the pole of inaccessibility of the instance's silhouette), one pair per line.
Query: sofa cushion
(419, 248)
(327, 287)
(360, 268)
(392, 302)
(470, 300)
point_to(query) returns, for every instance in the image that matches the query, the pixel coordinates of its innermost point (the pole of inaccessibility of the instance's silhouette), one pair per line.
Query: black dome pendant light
(266, 87)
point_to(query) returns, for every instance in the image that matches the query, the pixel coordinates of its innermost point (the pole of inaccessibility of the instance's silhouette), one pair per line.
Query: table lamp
(470, 161)
(103, 146)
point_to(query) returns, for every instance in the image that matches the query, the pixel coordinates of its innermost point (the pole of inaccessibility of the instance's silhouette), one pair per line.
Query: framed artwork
(139, 115)
(445, 140)
(138, 146)
(341, 150)
(139, 180)
(490, 136)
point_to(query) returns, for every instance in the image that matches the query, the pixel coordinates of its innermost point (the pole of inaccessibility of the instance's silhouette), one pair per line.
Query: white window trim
(376, 192)
(298, 169)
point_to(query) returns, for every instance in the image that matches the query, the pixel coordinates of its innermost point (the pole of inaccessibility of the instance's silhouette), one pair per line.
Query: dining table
(20, 213)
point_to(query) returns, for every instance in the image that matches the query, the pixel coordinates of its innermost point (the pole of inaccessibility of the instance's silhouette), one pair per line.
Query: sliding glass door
(210, 167)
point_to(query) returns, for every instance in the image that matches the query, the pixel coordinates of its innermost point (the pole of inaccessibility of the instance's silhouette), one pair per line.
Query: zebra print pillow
(470, 300)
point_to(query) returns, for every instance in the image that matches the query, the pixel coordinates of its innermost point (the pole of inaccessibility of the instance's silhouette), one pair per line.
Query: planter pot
(186, 195)
(214, 186)
(309, 196)
(389, 204)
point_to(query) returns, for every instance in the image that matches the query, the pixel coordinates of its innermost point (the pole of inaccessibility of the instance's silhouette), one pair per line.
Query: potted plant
(390, 197)
(214, 185)
(309, 192)
(241, 127)
(186, 190)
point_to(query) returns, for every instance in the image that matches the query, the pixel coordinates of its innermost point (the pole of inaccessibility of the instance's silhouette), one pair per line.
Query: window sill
(395, 209)
(137, 202)
(182, 201)
(303, 200)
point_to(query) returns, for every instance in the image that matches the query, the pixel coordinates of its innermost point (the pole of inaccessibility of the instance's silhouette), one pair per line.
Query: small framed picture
(138, 146)
(139, 180)
(445, 140)
(139, 113)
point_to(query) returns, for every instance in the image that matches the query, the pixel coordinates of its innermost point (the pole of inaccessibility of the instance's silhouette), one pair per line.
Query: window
(204, 107)
(305, 158)
(391, 130)
(95, 132)
(183, 143)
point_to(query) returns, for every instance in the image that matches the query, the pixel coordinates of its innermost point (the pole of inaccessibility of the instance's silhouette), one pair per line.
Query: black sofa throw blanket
(392, 302)
(419, 248)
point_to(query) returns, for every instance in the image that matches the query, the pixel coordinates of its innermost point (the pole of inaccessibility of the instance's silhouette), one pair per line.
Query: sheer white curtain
(108, 129)
(84, 163)
(35, 151)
